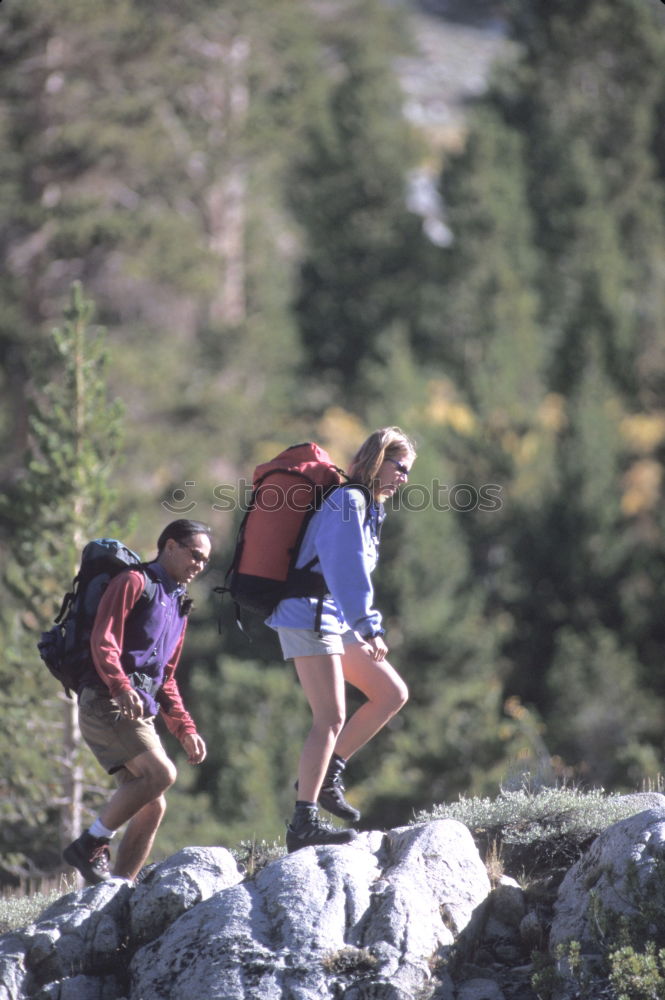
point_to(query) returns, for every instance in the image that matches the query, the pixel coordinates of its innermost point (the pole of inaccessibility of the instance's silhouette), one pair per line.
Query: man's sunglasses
(196, 554)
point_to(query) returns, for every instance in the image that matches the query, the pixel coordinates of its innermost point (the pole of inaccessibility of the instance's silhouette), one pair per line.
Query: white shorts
(306, 642)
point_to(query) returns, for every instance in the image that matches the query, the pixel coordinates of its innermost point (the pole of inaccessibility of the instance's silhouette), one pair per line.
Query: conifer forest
(211, 248)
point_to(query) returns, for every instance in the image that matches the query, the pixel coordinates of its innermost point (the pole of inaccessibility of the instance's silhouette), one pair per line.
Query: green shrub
(629, 952)
(638, 975)
(548, 828)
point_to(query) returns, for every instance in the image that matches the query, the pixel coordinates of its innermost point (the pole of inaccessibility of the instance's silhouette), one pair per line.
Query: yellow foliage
(338, 431)
(641, 487)
(265, 450)
(523, 447)
(341, 433)
(514, 708)
(644, 432)
(443, 409)
(552, 412)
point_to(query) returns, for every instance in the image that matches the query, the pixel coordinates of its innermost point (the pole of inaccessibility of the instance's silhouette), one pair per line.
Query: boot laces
(334, 783)
(312, 818)
(100, 854)
(322, 824)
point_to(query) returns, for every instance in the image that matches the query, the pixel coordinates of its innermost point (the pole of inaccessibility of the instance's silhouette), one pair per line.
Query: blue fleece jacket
(344, 537)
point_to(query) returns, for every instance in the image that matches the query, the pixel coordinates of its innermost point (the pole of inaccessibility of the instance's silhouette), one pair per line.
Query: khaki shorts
(113, 739)
(306, 642)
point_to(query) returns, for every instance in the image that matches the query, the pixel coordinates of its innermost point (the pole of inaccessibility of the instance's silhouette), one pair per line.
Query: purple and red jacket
(149, 642)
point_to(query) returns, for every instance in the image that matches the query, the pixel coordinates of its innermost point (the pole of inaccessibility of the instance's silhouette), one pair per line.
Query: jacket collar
(170, 585)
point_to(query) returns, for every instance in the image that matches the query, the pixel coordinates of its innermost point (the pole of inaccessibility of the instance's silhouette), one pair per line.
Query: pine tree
(586, 94)
(64, 497)
(146, 156)
(552, 318)
(362, 246)
(489, 333)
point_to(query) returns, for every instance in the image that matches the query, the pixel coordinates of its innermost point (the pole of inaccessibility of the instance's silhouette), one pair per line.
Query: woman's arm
(346, 562)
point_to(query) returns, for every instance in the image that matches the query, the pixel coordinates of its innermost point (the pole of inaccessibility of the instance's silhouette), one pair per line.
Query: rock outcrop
(397, 916)
(614, 879)
(323, 922)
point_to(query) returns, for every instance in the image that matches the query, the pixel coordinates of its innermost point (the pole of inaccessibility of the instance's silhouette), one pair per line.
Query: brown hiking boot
(90, 856)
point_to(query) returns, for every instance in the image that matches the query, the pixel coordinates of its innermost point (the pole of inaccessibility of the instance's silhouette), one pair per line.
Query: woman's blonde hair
(387, 442)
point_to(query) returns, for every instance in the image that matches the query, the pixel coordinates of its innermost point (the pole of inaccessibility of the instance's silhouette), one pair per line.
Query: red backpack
(286, 493)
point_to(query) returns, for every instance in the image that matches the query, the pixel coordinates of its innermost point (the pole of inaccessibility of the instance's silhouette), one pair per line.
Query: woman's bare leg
(322, 680)
(384, 689)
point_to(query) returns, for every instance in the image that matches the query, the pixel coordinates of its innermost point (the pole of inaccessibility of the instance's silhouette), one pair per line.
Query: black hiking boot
(331, 796)
(90, 856)
(307, 830)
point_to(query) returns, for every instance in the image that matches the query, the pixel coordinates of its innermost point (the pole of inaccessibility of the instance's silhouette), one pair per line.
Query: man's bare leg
(142, 780)
(138, 801)
(138, 838)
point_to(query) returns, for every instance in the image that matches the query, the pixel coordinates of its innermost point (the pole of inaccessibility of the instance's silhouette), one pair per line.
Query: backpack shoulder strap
(350, 485)
(150, 582)
(151, 586)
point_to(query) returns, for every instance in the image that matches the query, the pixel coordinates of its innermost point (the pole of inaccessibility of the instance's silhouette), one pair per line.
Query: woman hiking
(340, 638)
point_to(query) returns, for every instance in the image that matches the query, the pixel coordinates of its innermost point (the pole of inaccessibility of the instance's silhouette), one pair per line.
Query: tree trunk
(227, 198)
(71, 811)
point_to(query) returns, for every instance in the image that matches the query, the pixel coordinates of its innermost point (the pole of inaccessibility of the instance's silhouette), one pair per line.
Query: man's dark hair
(181, 531)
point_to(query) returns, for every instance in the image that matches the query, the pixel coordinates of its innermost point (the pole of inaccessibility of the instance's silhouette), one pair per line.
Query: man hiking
(136, 645)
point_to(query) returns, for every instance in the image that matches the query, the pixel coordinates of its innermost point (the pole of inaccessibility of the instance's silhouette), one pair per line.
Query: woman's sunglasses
(402, 469)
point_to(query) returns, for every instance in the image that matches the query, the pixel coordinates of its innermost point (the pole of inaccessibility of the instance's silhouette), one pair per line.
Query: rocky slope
(408, 914)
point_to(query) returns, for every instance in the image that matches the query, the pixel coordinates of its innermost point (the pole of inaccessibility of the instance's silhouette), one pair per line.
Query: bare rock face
(375, 913)
(174, 886)
(12, 965)
(80, 947)
(80, 936)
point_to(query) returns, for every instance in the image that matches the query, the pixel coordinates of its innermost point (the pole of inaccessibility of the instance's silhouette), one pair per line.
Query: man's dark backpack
(65, 648)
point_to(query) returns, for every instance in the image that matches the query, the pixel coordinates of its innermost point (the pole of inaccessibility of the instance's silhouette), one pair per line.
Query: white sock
(97, 829)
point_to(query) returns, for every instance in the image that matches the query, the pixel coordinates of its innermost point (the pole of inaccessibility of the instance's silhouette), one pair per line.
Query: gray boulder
(608, 882)
(13, 972)
(480, 989)
(508, 903)
(174, 886)
(79, 948)
(82, 934)
(325, 922)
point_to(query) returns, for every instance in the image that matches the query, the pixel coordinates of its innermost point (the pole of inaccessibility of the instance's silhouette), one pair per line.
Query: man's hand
(131, 705)
(376, 647)
(194, 747)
